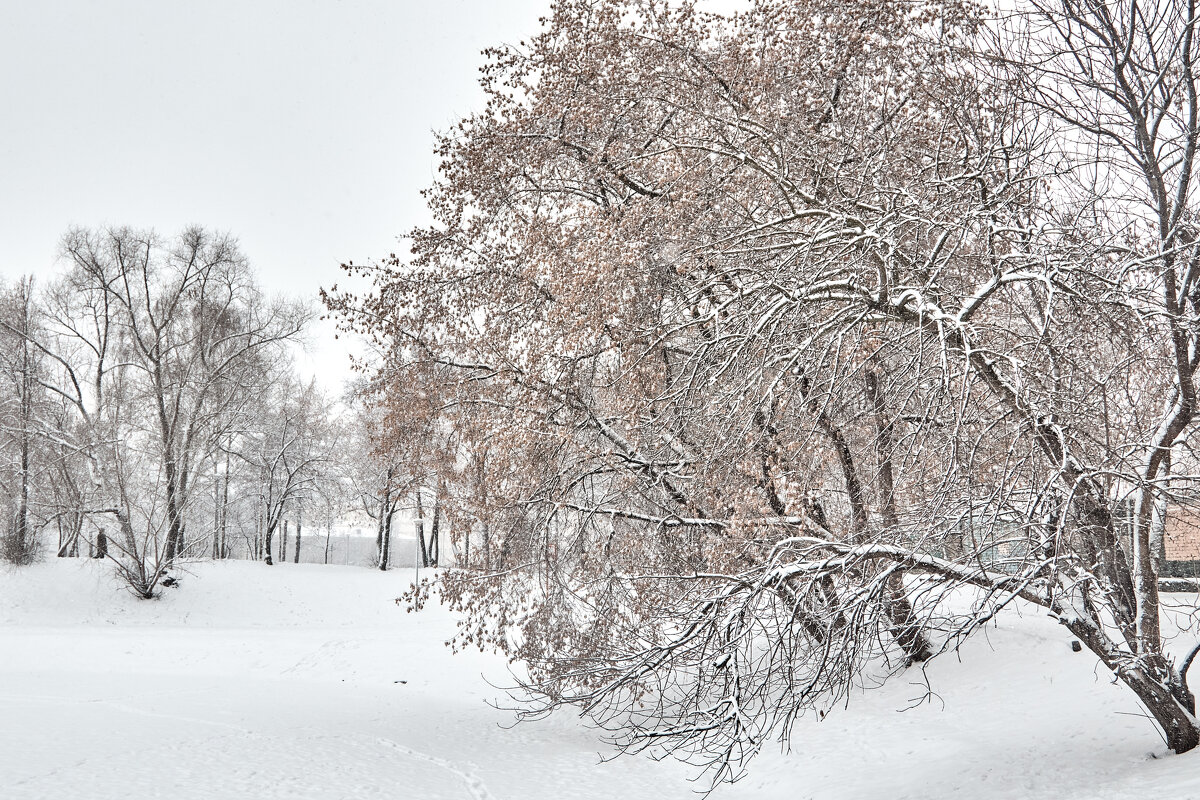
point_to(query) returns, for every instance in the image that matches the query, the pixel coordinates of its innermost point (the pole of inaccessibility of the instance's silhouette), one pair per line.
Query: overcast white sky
(303, 127)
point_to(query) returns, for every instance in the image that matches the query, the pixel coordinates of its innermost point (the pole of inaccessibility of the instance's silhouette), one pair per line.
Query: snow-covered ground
(310, 682)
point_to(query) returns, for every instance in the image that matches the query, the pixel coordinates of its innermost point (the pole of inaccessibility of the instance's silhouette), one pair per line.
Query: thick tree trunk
(1158, 538)
(386, 548)
(283, 540)
(381, 553)
(268, 534)
(174, 517)
(905, 628)
(1168, 700)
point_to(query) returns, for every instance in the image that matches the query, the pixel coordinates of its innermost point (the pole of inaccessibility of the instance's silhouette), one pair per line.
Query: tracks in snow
(474, 784)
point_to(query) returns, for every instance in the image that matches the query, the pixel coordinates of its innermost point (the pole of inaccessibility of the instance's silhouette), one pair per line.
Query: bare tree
(156, 347)
(291, 450)
(380, 475)
(195, 323)
(22, 394)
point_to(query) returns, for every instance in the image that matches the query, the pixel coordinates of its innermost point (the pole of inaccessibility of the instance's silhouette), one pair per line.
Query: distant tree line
(151, 412)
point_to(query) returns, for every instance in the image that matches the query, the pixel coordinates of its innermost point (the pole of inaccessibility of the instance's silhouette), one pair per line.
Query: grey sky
(302, 127)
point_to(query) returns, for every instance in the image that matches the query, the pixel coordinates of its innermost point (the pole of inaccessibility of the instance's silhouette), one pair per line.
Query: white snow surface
(307, 681)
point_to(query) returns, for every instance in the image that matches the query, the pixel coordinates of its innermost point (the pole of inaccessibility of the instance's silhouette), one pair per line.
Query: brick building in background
(1182, 540)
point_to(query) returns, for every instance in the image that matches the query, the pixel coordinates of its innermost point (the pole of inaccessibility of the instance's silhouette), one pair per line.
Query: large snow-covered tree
(801, 342)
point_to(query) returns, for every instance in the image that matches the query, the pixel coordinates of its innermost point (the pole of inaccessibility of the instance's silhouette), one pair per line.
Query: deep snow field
(308, 681)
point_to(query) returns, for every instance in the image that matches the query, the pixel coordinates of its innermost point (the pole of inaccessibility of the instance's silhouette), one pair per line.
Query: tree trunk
(283, 539)
(487, 546)
(905, 628)
(299, 523)
(216, 542)
(225, 509)
(174, 518)
(68, 535)
(101, 545)
(385, 552)
(420, 524)
(268, 534)
(328, 535)
(21, 550)
(21, 547)
(1158, 521)
(1165, 703)
(380, 552)
(434, 539)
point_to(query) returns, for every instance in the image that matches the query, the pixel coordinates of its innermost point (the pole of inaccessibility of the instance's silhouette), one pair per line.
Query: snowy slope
(310, 682)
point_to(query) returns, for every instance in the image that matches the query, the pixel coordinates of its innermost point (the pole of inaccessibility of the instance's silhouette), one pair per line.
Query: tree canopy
(783, 348)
